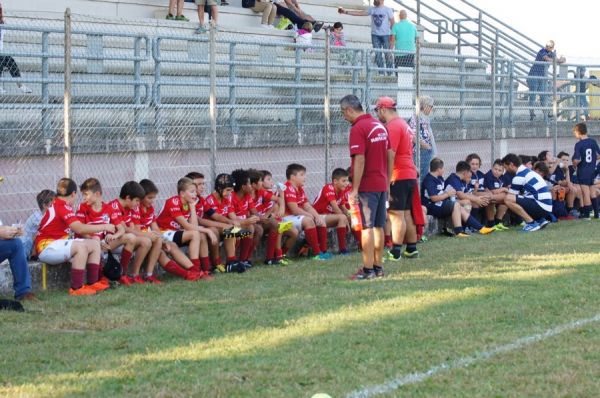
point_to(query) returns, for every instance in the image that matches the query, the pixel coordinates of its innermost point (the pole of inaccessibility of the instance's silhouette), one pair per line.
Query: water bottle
(355, 217)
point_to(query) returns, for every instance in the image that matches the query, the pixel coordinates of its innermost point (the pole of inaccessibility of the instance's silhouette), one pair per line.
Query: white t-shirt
(380, 20)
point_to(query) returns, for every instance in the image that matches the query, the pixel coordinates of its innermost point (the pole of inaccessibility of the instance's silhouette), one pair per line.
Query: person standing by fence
(537, 79)
(404, 39)
(8, 62)
(371, 168)
(424, 133)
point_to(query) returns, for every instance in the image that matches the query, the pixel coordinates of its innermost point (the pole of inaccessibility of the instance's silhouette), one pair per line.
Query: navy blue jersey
(490, 182)
(557, 176)
(459, 185)
(586, 151)
(431, 186)
(507, 179)
(573, 175)
(477, 177)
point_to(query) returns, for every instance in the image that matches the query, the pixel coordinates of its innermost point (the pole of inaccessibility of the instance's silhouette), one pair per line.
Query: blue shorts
(531, 207)
(585, 181)
(442, 211)
(372, 209)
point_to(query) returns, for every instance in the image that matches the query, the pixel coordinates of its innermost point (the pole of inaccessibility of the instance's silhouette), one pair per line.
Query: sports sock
(596, 207)
(285, 250)
(271, 243)
(92, 273)
(322, 231)
(388, 242)
(77, 276)
(205, 264)
(473, 223)
(458, 230)
(497, 221)
(313, 240)
(245, 248)
(278, 253)
(174, 268)
(125, 259)
(396, 251)
(195, 265)
(357, 238)
(341, 235)
(218, 260)
(490, 223)
(231, 260)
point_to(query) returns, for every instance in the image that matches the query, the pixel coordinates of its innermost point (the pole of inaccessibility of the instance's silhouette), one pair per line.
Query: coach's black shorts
(401, 193)
(443, 211)
(531, 207)
(372, 209)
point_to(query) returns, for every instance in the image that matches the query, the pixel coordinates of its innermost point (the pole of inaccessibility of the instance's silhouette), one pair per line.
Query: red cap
(385, 102)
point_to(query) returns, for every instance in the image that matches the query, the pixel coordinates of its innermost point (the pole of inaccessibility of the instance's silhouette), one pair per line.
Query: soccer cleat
(327, 255)
(126, 280)
(531, 227)
(407, 254)
(379, 272)
(153, 280)
(486, 230)
(247, 264)
(320, 257)
(105, 281)
(543, 222)
(423, 239)
(389, 255)
(284, 226)
(363, 275)
(235, 266)
(206, 276)
(192, 275)
(500, 227)
(344, 252)
(220, 268)
(273, 261)
(98, 286)
(462, 235)
(138, 280)
(284, 261)
(82, 291)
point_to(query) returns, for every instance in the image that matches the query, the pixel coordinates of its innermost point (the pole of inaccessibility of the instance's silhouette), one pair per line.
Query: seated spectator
(496, 187)
(268, 9)
(11, 249)
(304, 35)
(528, 197)
(8, 62)
(441, 203)
(284, 11)
(44, 200)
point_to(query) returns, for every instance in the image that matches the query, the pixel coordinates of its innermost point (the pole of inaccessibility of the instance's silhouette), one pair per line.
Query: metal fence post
(418, 106)
(233, 125)
(67, 96)
(158, 125)
(298, 94)
(511, 93)
(46, 93)
(327, 104)
(493, 137)
(369, 76)
(137, 70)
(554, 106)
(463, 89)
(213, 102)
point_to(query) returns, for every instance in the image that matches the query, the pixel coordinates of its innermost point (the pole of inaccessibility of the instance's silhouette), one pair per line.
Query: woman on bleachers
(8, 62)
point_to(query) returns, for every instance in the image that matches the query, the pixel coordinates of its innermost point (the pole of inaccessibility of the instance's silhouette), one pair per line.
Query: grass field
(304, 329)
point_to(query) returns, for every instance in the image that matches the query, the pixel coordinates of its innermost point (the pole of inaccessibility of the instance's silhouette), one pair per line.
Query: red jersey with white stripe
(119, 214)
(294, 195)
(144, 217)
(174, 207)
(242, 206)
(55, 224)
(87, 215)
(322, 203)
(264, 201)
(222, 207)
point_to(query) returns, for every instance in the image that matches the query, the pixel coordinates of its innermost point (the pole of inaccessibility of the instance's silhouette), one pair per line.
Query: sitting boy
(330, 205)
(44, 201)
(465, 192)
(299, 211)
(528, 196)
(495, 186)
(442, 203)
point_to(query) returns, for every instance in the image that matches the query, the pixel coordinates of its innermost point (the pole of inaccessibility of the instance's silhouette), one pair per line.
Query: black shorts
(401, 193)
(442, 211)
(531, 207)
(178, 239)
(372, 209)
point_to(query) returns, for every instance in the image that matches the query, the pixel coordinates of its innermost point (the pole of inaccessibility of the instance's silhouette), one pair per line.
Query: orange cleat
(82, 291)
(98, 286)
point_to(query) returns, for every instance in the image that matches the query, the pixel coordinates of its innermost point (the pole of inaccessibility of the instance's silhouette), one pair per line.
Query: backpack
(112, 268)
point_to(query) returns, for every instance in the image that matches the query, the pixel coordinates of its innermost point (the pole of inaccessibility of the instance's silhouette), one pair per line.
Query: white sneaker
(25, 89)
(2, 91)
(267, 26)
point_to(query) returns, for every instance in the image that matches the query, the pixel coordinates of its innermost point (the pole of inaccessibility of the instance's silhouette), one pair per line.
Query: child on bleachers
(495, 186)
(172, 258)
(441, 202)
(585, 156)
(330, 205)
(304, 36)
(299, 211)
(53, 244)
(179, 224)
(30, 229)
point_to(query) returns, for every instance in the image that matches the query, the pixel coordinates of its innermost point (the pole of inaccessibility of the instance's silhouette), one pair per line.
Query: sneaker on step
(361, 274)
(200, 30)
(170, 17)
(82, 291)
(126, 280)
(266, 26)
(182, 18)
(24, 89)
(486, 230)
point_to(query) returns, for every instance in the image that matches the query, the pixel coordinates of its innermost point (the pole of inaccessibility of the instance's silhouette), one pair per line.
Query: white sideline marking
(467, 361)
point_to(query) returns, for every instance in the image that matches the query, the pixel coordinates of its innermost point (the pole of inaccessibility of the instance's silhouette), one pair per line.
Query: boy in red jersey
(219, 208)
(171, 258)
(122, 215)
(271, 204)
(330, 205)
(299, 211)
(53, 245)
(179, 223)
(245, 209)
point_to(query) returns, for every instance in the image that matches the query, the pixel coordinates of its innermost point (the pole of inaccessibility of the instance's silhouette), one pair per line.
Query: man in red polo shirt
(403, 181)
(372, 162)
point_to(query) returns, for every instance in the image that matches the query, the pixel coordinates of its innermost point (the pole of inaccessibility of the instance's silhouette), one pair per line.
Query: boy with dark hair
(563, 185)
(461, 182)
(179, 224)
(30, 229)
(440, 200)
(299, 211)
(243, 207)
(585, 156)
(528, 196)
(495, 186)
(329, 203)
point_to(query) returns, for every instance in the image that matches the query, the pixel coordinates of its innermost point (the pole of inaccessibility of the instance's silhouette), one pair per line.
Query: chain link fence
(155, 102)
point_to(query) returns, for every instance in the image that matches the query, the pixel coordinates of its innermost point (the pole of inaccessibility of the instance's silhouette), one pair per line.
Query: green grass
(296, 331)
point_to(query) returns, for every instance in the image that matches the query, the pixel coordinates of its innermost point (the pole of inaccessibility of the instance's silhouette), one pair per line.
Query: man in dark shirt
(537, 80)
